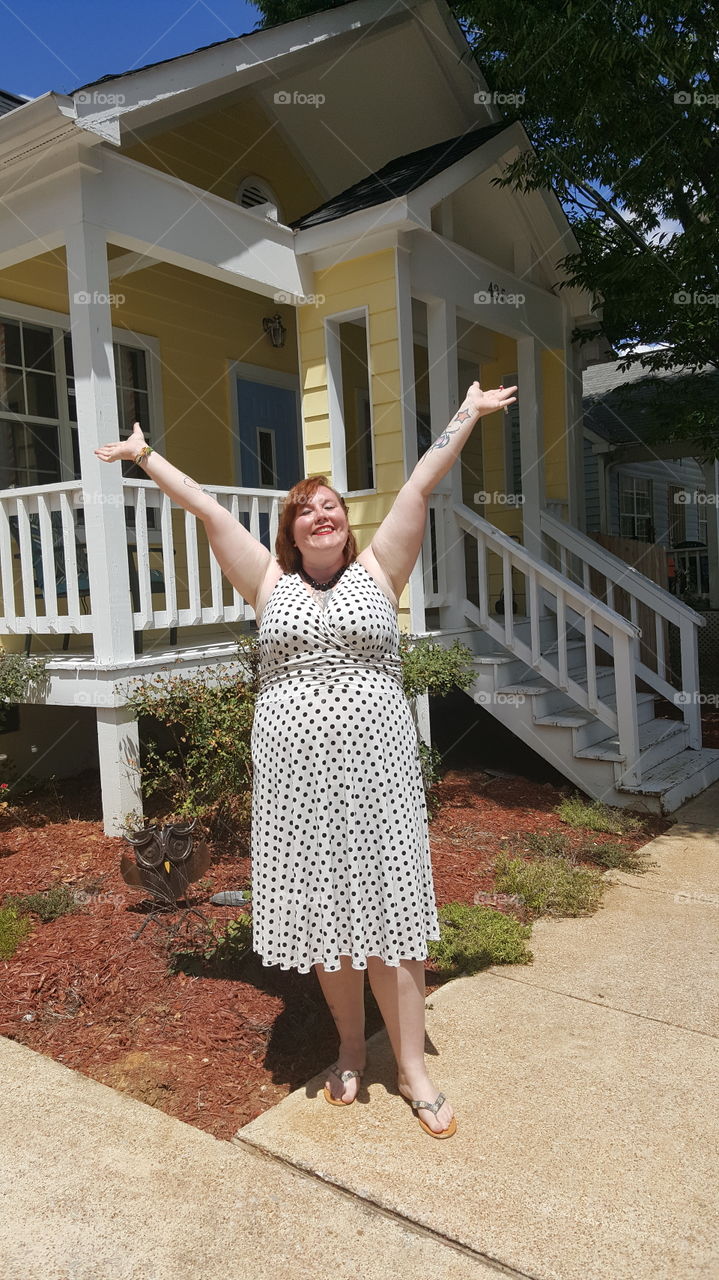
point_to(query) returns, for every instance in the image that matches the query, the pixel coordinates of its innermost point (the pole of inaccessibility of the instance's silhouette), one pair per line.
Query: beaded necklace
(324, 588)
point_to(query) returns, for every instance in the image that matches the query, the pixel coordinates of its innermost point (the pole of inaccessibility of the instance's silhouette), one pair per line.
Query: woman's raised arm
(398, 540)
(242, 558)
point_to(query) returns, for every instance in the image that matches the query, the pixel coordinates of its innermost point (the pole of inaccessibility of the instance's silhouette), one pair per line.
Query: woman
(341, 875)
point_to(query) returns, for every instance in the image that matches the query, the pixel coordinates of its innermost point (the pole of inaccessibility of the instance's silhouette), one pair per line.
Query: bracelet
(146, 449)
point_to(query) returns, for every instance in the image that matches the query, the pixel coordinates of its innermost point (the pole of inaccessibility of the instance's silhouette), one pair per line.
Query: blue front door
(270, 455)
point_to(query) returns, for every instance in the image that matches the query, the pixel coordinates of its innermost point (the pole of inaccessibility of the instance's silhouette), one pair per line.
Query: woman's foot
(416, 1086)
(350, 1058)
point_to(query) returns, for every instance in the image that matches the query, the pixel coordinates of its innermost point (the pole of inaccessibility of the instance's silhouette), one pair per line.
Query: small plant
(548, 844)
(474, 937)
(550, 887)
(217, 955)
(430, 759)
(49, 904)
(577, 812)
(617, 857)
(13, 928)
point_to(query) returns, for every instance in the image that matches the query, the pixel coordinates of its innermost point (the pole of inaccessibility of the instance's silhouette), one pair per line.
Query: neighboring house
(235, 248)
(650, 492)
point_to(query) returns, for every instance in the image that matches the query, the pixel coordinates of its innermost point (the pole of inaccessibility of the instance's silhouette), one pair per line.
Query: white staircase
(568, 677)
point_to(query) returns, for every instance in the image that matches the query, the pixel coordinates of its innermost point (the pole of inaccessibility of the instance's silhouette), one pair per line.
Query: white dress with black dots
(340, 843)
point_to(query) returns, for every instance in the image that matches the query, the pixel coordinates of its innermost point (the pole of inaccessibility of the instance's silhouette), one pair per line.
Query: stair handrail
(467, 518)
(665, 607)
(637, 583)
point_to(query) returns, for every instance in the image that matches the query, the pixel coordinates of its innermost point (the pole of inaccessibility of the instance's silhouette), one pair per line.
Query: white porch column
(119, 753)
(574, 426)
(443, 404)
(408, 410)
(711, 482)
(97, 423)
(531, 440)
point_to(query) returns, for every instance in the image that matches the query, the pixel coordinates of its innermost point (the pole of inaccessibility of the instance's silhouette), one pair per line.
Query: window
(702, 516)
(635, 509)
(28, 405)
(677, 520)
(350, 403)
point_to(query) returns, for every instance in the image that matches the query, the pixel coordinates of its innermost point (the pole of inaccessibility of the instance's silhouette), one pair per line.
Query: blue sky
(60, 44)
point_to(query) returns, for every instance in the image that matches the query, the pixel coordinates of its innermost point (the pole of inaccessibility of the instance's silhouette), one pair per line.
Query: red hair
(299, 495)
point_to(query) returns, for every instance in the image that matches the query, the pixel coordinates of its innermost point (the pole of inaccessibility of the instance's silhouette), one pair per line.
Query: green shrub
(13, 928)
(577, 812)
(48, 904)
(550, 887)
(429, 667)
(474, 937)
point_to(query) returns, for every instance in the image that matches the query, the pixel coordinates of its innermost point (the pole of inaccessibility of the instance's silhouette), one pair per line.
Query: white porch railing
(577, 612)
(578, 555)
(43, 561)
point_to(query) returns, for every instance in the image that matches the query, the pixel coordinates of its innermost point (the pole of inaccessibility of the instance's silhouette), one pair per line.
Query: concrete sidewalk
(585, 1087)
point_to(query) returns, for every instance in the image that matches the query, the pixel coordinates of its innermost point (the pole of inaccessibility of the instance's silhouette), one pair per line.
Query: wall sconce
(274, 326)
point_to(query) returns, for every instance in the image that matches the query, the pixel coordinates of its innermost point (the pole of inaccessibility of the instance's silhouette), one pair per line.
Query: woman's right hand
(124, 449)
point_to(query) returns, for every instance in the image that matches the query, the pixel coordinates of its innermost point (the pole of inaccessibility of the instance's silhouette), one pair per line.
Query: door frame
(272, 378)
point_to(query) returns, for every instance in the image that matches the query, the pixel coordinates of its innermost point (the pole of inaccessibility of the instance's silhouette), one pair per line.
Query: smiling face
(320, 528)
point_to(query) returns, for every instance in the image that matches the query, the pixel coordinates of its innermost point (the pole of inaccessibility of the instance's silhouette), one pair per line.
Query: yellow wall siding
(217, 151)
(368, 282)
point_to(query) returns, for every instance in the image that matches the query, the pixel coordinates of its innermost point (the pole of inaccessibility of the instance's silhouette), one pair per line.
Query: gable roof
(9, 101)
(619, 405)
(400, 176)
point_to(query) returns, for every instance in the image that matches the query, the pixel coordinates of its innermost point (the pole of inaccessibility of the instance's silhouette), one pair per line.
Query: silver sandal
(417, 1104)
(344, 1076)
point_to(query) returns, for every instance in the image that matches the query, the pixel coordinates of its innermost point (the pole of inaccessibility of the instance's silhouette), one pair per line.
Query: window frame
(59, 323)
(335, 398)
(628, 484)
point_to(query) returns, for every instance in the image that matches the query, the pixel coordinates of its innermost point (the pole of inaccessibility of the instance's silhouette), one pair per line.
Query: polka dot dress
(340, 844)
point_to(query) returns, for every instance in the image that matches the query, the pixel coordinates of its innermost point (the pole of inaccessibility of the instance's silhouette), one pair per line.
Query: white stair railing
(576, 612)
(578, 555)
(42, 562)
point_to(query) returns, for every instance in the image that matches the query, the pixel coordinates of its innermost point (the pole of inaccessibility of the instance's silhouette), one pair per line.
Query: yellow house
(284, 254)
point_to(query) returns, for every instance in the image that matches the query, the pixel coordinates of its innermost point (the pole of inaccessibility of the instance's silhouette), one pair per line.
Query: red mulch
(213, 1052)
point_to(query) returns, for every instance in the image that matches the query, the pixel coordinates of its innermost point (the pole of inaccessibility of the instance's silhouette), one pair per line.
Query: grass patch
(549, 844)
(617, 857)
(474, 937)
(48, 905)
(607, 854)
(577, 812)
(13, 928)
(550, 887)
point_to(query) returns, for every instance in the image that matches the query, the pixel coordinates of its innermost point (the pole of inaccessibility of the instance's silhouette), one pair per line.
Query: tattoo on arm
(192, 485)
(460, 416)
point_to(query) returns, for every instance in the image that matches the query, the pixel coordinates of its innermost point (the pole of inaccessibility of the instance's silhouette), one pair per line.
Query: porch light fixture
(276, 329)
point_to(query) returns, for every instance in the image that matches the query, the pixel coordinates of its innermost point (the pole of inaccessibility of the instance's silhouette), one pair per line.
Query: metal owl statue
(165, 861)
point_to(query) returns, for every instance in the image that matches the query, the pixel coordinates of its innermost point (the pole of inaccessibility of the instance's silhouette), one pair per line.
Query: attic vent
(255, 193)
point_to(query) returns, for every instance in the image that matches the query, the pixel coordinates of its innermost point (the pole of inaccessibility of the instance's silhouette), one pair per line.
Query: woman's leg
(400, 994)
(344, 992)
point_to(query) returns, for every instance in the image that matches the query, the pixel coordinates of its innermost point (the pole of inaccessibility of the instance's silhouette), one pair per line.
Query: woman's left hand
(483, 402)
